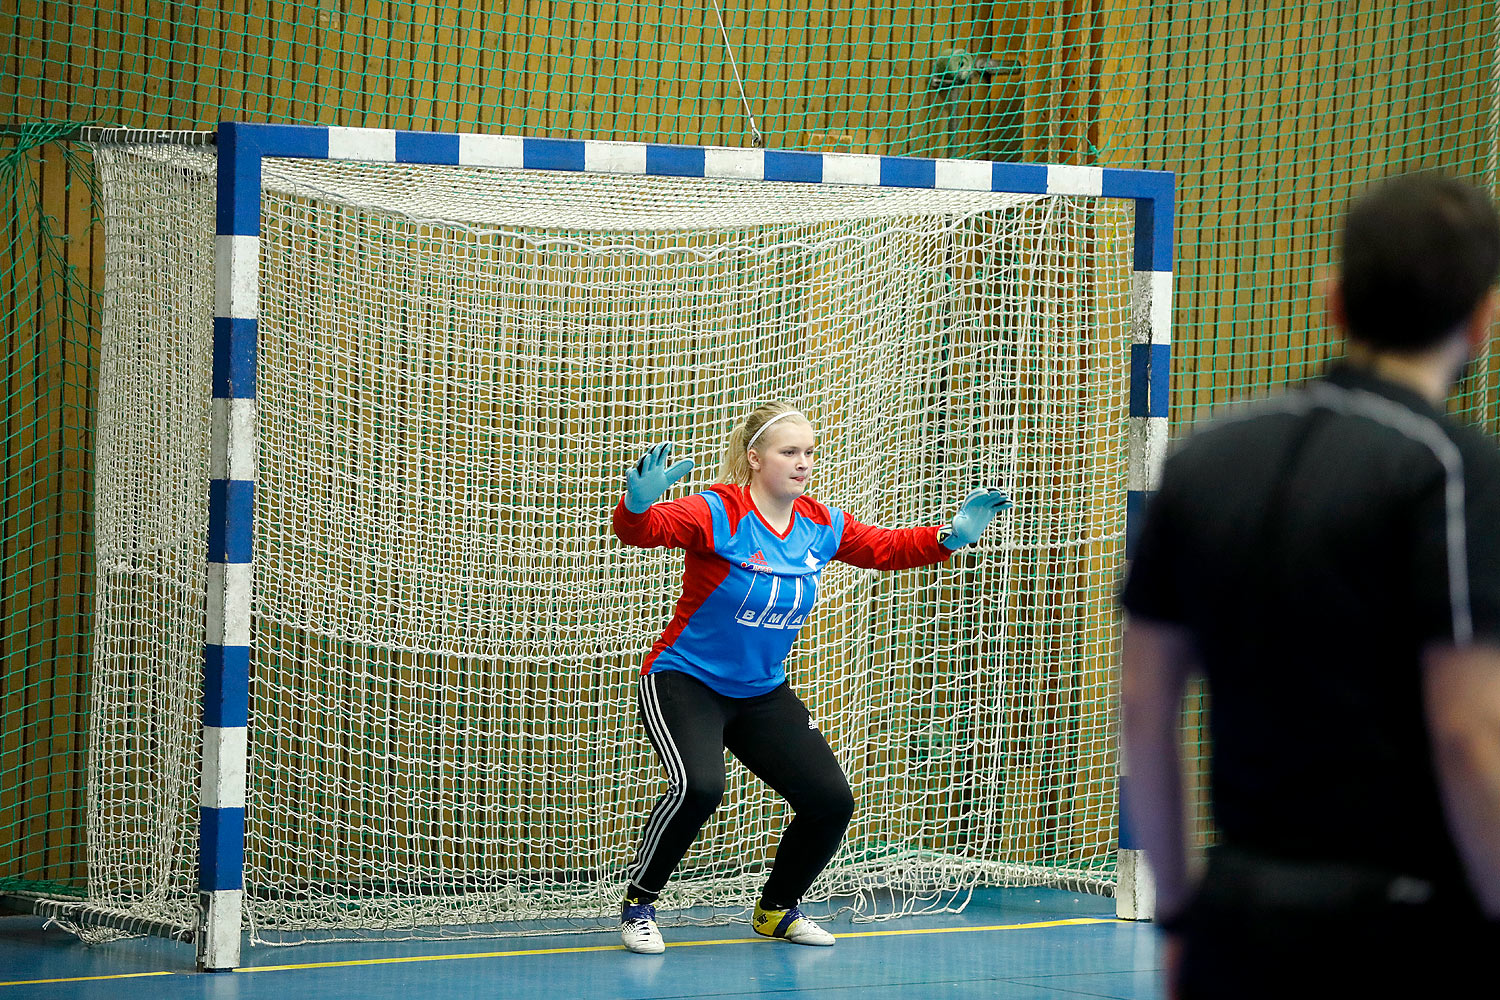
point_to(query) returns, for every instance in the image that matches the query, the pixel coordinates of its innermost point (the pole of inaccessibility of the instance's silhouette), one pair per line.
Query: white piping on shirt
(1415, 427)
(1425, 431)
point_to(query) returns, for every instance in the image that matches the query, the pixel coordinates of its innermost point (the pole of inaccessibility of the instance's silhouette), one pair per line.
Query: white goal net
(455, 367)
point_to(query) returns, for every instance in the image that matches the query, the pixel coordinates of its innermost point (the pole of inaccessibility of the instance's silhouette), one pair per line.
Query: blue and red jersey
(746, 588)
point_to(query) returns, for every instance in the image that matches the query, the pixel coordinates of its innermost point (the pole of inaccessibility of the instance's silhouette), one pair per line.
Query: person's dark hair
(1418, 253)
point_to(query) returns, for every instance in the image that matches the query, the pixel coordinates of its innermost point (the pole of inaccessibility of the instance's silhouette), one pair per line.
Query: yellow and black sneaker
(790, 925)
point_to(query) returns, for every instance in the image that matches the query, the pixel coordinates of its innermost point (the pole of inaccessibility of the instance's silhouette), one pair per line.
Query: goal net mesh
(455, 367)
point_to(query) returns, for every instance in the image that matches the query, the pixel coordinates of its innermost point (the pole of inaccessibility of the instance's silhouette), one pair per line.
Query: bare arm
(1158, 660)
(1462, 688)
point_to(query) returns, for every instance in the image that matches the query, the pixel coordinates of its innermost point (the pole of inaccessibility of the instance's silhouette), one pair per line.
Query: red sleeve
(684, 523)
(889, 548)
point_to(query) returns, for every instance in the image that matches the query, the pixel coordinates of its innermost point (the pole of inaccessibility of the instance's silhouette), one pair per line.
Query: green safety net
(1269, 114)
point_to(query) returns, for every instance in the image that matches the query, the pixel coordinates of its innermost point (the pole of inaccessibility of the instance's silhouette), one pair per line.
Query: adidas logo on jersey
(757, 563)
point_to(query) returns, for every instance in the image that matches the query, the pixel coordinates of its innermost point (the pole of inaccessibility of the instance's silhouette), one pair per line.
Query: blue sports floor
(1009, 944)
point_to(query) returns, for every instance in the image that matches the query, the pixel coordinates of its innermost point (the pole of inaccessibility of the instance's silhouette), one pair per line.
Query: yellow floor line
(404, 959)
(87, 979)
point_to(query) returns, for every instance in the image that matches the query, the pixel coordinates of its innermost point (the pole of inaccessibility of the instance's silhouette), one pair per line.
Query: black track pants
(691, 725)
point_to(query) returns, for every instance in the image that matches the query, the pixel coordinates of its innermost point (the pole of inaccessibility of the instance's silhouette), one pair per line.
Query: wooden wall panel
(535, 65)
(43, 511)
(21, 387)
(1272, 117)
(1269, 115)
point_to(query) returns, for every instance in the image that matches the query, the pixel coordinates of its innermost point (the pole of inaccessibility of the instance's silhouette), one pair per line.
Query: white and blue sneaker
(790, 925)
(638, 929)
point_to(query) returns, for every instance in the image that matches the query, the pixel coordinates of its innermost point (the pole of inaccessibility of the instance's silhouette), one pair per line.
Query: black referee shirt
(1313, 543)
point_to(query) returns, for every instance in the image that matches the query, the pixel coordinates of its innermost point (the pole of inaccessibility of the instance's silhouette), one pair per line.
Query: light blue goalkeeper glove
(648, 479)
(973, 517)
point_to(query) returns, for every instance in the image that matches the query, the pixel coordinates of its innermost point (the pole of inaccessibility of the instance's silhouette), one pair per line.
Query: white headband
(789, 413)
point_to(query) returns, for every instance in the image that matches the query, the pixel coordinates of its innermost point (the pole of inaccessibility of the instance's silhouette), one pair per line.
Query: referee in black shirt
(1329, 561)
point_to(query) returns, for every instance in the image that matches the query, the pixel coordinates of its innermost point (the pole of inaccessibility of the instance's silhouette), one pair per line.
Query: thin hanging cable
(756, 139)
(1494, 110)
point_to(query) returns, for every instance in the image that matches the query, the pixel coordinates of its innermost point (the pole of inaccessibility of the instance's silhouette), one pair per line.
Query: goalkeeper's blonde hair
(736, 465)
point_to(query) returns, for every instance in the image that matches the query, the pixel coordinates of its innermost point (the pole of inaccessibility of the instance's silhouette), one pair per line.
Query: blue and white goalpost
(432, 356)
